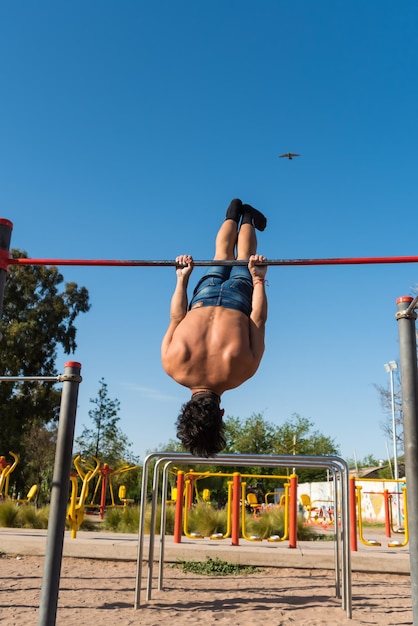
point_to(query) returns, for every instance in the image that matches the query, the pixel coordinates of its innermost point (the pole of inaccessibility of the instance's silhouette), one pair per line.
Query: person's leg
(247, 238)
(226, 239)
(225, 244)
(247, 242)
(236, 293)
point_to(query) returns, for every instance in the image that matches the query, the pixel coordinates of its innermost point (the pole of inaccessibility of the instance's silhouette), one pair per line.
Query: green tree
(254, 435)
(105, 440)
(296, 436)
(39, 312)
(39, 464)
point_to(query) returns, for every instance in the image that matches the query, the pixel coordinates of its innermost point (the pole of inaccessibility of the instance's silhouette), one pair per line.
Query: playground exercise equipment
(122, 497)
(318, 512)
(281, 502)
(252, 501)
(164, 460)
(6, 468)
(187, 507)
(76, 508)
(104, 480)
(401, 544)
(356, 515)
(238, 501)
(31, 495)
(372, 542)
(255, 507)
(392, 500)
(284, 503)
(389, 526)
(87, 473)
(406, 316)
(194, 477)
(191, 479)
(173, 496)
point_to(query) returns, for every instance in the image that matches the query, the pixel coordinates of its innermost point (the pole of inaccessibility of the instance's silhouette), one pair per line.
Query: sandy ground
(96, 592)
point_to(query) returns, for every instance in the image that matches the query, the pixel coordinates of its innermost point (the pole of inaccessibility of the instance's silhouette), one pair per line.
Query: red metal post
(353, 514)
(236, 496)
(293, 511)
(179, 507)
(388, 498)
(105, 473)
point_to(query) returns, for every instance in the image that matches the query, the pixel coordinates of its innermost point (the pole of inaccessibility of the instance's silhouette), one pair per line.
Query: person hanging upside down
(217, 342)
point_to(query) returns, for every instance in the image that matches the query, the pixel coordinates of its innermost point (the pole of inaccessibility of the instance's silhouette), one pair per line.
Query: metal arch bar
(331, 462)
(45, 379)
(172, 263)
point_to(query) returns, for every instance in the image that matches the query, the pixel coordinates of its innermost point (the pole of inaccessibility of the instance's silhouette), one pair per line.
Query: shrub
(112, 520)
(170, 513)
(8, 514)
(130, 520)
(206, 520)
(29, 517)
(127, 520)
(215, 567)
(271, 522)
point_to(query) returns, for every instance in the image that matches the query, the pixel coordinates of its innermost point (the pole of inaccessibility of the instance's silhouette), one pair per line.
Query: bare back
(213, 347)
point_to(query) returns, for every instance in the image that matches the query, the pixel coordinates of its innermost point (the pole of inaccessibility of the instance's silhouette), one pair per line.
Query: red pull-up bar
(146, 263)
(6, 227)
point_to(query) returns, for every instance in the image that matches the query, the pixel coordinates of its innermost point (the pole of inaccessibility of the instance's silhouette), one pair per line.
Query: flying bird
(288, 155)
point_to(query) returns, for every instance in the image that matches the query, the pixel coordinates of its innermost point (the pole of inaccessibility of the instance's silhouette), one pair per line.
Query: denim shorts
(227, 286)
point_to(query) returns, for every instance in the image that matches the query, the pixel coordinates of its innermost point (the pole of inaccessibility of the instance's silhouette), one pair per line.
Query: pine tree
(105, 440)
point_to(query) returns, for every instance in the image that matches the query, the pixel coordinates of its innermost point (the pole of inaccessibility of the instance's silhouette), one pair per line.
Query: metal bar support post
(59, 495)
(6, 228)
(406, 316)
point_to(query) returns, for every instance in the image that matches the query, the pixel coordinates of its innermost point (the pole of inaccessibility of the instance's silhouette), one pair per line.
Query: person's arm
(258, 315)
(178, 305)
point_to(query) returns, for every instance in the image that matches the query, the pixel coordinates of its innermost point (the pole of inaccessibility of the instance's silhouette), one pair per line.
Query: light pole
(390, 367)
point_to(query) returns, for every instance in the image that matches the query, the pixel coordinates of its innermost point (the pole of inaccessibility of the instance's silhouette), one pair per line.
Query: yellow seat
(173, 496)
(31, 494)
(307, 505)
(206, 495)
(305, 501)
(122, 496)
(253, 503)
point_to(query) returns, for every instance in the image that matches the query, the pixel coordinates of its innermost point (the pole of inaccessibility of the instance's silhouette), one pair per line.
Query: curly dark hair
(200, 427)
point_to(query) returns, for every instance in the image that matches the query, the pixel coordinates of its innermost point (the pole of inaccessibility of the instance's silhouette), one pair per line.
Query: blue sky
(125, 130)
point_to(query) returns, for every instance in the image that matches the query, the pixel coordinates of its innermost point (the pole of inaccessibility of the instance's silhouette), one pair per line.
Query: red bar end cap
(6, 222)
(404, 299)
(73, 364)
